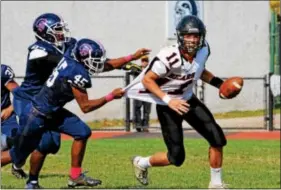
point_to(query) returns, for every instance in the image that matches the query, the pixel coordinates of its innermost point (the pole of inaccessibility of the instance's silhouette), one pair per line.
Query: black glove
(134, 68)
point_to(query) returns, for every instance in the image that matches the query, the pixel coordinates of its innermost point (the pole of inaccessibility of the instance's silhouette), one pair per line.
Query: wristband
(216, 82)
(109, 97)
(166, 99)
(128, 58)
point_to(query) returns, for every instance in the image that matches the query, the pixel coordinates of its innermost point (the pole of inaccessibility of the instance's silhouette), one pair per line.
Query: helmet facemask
(191, 41)
(95, 65)
(60, 33)
(56, 34)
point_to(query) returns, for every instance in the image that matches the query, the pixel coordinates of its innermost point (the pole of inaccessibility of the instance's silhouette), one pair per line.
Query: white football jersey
(177, 76)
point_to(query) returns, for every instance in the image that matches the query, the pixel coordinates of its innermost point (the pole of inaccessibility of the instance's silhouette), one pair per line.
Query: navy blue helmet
(91, 53)
(51, 28)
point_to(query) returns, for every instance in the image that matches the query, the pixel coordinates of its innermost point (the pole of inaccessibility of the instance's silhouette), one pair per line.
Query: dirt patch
(99, 134)
(266, 135)
(255, 135)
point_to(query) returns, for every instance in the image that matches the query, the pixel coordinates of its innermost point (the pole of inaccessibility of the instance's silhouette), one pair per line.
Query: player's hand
(179, 106)
(141, 52)
(6, 113)
(118, 93)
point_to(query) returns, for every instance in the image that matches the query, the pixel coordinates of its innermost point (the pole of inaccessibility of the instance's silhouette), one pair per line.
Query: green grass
(237, 114)
(247, 164)
(97, 124)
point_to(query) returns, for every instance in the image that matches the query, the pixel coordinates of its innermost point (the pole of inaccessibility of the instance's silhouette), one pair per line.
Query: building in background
(237, 31)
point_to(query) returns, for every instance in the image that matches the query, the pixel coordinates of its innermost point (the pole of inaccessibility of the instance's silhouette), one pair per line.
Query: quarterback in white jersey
(177, 76)
(168, 81)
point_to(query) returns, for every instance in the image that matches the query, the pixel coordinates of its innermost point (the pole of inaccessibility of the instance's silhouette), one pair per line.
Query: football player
(69, 80)
(52, 41)
(9, 125)
(168, 81)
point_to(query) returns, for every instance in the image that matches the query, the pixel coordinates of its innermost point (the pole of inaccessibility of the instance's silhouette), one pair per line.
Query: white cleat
(218, 186)
(140, 173)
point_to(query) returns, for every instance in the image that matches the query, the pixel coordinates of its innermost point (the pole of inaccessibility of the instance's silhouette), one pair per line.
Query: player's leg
(9, 128)
(137, 115)
(4, 144)
(146, 114)
(171, 126)
(27, 139)
(70, 124)
(202, 120)
(49, 144)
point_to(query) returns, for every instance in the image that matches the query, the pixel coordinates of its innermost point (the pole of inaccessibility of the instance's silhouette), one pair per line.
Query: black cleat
(19, 173)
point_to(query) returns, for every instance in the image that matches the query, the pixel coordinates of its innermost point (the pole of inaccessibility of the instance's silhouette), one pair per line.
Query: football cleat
(83, 180)
(19, 173)
(218, 186)
(140, 173)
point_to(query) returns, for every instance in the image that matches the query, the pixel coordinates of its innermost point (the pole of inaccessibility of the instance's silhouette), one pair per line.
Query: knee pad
(84, 133)
(176, 156)
(4, 145)
(50, 143)
(218, 138)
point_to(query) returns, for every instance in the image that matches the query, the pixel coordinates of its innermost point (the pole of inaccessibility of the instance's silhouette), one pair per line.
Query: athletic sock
(75, 172)
(216, 175)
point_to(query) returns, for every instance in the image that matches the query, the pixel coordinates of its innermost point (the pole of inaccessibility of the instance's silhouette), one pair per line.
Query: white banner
(275, 85)
(178, 9)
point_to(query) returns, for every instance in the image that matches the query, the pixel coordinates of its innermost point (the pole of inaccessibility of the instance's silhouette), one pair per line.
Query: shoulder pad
(170, 56)
(37, 53)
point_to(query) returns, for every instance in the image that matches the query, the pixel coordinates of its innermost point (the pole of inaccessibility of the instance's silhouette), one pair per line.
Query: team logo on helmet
(41, 24)
(85, 49)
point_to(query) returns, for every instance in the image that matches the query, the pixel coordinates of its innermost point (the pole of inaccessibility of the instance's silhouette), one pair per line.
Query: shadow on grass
(53, 176)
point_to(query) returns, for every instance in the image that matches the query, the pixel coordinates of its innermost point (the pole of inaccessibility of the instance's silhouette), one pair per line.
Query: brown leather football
(231, 87)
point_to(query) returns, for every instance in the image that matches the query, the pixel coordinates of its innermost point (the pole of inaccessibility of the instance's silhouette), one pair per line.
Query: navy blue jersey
(41, 60)
(58, 88)
(7, 75)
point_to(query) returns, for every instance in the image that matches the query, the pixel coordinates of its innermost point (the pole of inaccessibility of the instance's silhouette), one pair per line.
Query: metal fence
(123, 108)
(256, 86)
(275, 59)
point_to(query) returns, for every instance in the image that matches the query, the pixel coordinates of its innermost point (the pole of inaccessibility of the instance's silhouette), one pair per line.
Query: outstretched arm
(87, 105)
(117, 63)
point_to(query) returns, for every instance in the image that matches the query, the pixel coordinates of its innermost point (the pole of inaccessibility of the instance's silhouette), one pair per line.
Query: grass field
(247, 164)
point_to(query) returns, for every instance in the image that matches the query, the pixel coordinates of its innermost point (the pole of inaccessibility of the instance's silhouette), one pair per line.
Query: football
(231, 87)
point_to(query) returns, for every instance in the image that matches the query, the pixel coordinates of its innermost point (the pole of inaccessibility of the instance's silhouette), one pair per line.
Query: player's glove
(132, 67)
